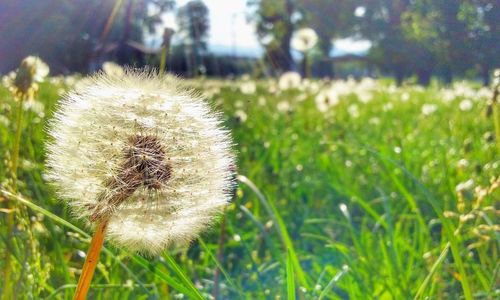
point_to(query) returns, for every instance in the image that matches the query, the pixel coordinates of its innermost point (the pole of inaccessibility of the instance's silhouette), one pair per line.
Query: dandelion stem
(10, 216)
(496, 113)
(220, 255)
(17, 140)
(163, 59)
(306, 66)
(91, 261)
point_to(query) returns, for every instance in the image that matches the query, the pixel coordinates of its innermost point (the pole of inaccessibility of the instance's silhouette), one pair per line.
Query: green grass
(358, 202)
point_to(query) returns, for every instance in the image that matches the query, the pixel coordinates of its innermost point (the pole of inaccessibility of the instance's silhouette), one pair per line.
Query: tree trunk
(448, 76)
(485, 74)
(399, 77)
(424, 77)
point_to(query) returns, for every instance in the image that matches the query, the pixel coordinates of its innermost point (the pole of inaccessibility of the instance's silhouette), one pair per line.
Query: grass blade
(434, 267)
(332, 282)
(282, 231)
(290, 277)
(221, 268)
(195, 294)
(136, 258)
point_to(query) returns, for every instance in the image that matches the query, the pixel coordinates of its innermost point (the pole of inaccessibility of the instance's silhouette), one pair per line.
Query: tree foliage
(194, 23)
(422, 37)
(66, 34)
(275, 22)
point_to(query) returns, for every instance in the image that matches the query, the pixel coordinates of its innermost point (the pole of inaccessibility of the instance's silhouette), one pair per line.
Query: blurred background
(405, 39)
(367, 136)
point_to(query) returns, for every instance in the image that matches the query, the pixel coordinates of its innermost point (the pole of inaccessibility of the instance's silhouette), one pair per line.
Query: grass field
(347, 190)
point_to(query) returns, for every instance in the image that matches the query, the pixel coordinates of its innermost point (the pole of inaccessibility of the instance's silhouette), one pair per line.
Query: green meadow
(346, 190)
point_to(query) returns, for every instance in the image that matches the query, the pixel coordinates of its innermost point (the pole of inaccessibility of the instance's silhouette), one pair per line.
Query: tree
(381, 23)
(482, 19)
(453, 47)
(276, 21)
(194, 23)
(330, 19)
(67, 34)
(418, 27)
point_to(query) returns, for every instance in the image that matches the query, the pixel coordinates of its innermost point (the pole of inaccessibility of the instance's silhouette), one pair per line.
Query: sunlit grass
(371, 198)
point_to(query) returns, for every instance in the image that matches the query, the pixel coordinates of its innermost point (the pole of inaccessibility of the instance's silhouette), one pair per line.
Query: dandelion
(283, 106)
(24, 81)
(326, 99)
(463, 186)
(289, 80)
(248, 87)
(112, 69)
(23, 84)
(353, 110)
(240, 116)
(465, 105)
(428, 109)
(388, 107)
(364, 96)
(463, 163)
(304, 39)
(405, 97)
(142, 160)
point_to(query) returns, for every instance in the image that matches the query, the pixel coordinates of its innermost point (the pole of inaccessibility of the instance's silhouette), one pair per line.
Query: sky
(232, 33)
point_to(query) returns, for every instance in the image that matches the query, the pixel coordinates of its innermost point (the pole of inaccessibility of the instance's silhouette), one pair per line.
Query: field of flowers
(348, 189)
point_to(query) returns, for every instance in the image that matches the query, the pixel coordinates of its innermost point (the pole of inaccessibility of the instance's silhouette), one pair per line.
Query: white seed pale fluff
(91, 135)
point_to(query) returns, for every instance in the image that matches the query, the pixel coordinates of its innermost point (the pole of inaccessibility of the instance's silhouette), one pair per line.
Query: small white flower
(428, 109)
(112, 69)
(466, 105)
(39, 68)
(405, 97)
(464, 186)
(326, 99)
(388, 107)
(463, 163)
(289, 80)
(241, 115)
(353, 110)
(24, 81)
(248, 87)
(144, 154)
(304, 39)
(283, 106)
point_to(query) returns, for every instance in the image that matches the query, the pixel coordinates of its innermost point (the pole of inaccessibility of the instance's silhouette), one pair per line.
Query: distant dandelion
(25, 81)
(142, 153)
(466, 105)
(428, 109)
(353, 110)
(289, 80)
(112, 69)
(304, 39)
(240, 116)
(283, 106)
(326, 99)
(248, 87)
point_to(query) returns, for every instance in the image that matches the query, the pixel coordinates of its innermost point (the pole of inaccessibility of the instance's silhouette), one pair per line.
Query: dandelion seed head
(112, 69)
(466, 105)
(304, 39)
(326, 99)
(289, 80)
(24, 81)
(144, 153)
(428, 109)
